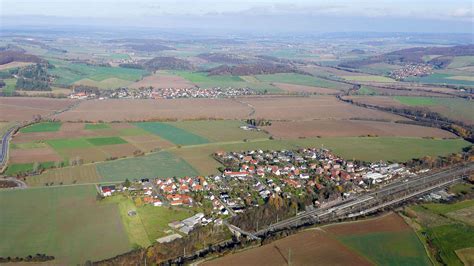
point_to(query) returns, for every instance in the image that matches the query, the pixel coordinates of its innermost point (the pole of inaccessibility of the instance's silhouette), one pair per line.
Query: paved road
(5, 145)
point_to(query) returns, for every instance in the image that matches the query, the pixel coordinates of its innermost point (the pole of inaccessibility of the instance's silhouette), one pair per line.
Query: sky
(428, 15)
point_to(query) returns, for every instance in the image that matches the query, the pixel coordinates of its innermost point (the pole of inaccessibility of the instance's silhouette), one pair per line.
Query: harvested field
(68, 175)
(87, 154)
(351, 128)
(34, 155)
(14, 65)
(388, 223)
(140, 110)
(120, 150)
(320, 107)
(24, 108)
(307, 248)
(163, 81)
(307, 89)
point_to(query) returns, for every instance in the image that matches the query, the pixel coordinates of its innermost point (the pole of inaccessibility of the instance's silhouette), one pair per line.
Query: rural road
(5, 145)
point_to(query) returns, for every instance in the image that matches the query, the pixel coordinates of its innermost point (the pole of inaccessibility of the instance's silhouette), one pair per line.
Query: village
(251, 178)
(159, 93)
(412, 70)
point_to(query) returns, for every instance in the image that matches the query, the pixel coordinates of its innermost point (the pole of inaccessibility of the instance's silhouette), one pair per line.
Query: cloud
(462, 13)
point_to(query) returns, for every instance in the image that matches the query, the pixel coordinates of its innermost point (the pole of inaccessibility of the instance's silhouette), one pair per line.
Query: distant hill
(149, 47)
(167, 63)
(223, 58)
(9, 56)
(415, 55)
(253, 69)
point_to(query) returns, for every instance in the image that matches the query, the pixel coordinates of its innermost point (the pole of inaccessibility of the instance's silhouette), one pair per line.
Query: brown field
(387, 223)
(301, 88)
(88, 155)
(413, 92)
(46, 154)
(138, 110)
(38, 136)
(67, 175)
(349, 128)
(23, 108)
(320, 107)
(307, 248)
(120, 150)
(163, 81)
(14, 65)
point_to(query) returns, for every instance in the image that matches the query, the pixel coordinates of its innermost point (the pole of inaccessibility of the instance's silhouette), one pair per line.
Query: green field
(10, 85)
(64, 222)
(28, 145)
(369, 78)
(103, 141)
(451, 237)
(461, 61)
(68, 73)
(364, 90)
(176, 135)
(219, 130)
(446, 208)
(42, 127)
(96, 126)
(441, 78)
(389, 248)
(300, 79)
(17, 168)
(160, 164)
(59, 144)
(453, 108)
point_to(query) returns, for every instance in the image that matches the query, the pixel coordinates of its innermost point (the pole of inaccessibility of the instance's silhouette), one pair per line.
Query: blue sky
(455, 14)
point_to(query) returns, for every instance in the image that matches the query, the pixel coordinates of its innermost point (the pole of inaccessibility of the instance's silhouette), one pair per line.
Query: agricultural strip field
(64, 222)
(351, 128)
(160, 164)
(67, 175)
(361, 148)
(299, 79)
(219, 130)
(176, 135)
(278, 108)
(369, 79)
(70, 73)
(292, 88)
(24, 108)
(42, 127)
(441, 78)
(327, 246)
(163, 81)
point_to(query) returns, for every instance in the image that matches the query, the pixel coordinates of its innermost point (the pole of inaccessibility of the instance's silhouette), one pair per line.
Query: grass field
(441, 78)
(160, 164)
(389, 248)
(454, 108)
(174, 134)
(299, 79)
(60, 144)
(369, 79)
(10, 85)
(16, 168)
(451, 237)
(447, 208)
(461, 61)
(219, 130)
(96, 126)
(103, 141)
(109, 83)
(42, 127)
(67, 175)
(70, 73)
(64, 222)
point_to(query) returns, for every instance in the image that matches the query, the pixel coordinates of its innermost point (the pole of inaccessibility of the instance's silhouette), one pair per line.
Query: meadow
(10, 85)
(65, 222)
(369, 79)
(441, 78)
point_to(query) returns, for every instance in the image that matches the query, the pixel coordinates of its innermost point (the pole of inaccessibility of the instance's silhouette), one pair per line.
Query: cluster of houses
(162, 93)
(277, 171)
(412, 70)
